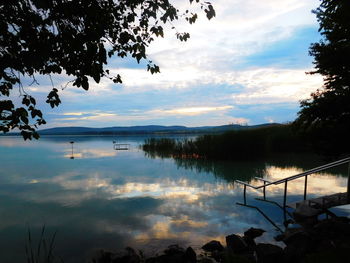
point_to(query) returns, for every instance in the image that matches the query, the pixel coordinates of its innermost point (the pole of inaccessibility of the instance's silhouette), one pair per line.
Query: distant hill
(149, 129)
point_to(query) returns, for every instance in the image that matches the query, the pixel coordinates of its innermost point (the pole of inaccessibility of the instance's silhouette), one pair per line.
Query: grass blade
(30, 246)
(51, 247)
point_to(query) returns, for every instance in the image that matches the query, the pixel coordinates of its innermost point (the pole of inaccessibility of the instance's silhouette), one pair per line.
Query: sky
(245, 66)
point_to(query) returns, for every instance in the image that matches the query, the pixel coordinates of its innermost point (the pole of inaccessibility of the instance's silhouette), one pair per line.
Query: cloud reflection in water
(108, 199)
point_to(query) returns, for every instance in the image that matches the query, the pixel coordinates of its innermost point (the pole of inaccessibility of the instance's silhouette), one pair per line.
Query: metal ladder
(267, 183)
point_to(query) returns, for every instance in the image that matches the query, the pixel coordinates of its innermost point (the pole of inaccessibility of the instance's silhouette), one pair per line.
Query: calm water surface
(110, 199)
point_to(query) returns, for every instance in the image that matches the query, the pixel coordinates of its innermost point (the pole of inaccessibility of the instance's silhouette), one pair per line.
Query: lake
(111, 199)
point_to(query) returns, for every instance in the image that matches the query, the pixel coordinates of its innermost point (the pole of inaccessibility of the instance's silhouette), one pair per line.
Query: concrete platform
(342, 210)
(317, 206)
(323, 202)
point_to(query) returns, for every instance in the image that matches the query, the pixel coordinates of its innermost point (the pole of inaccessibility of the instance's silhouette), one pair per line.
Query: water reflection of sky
(318, 184)
(109, 199)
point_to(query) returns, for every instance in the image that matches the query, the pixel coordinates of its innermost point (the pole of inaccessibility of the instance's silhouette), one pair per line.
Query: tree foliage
(326, 115)
(74, 37)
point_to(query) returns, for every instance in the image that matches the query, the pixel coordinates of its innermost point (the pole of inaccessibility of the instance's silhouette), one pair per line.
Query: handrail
(293, 177)
(247, 184)
(314, 170)
(290, 178)
(262, 179)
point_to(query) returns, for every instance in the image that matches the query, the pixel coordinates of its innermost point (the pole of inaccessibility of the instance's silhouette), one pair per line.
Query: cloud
(255, 85)
(85, 115)
(271, 85)
(90, 153)
(218, 115)
(168, 102)
(74, 113)
(252, 53)
(190, 111)
(239, 29)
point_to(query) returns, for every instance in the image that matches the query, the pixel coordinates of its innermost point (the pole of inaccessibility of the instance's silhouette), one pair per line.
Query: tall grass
(42, 252)
(233, 145)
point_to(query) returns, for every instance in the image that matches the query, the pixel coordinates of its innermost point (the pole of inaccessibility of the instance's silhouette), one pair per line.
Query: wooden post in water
(72, 156)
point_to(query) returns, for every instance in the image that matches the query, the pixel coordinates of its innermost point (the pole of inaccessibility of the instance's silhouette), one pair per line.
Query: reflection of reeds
(44, 250)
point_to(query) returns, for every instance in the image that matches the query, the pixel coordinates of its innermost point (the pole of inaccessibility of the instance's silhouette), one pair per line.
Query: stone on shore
(190, 255)
(236, 244)
(174, 250)
(175, 254)
(269, 253)
(254, 232)
(128, 255)
(212, 246)
(326, 241)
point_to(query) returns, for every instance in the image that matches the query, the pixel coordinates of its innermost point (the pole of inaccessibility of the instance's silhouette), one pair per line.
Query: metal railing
(121, 146)
(285, 181)
(293, 177)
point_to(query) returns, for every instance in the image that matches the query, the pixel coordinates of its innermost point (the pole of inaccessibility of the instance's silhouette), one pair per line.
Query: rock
(236, 243)
(176, 258)
(175, 254)
(125, 256)
(254, 232)
(279, 237)
(219, 256)
(292, 231)
(330, 234)
(151, 260)
(249, 257)
(102, 256)
(304, 210)
(288, 222)
(190, 255)
(306, 215)
(337, 227)
(204, 259)
(174, 249)
(296, 238)
(129, 257)
(249, 237)
(250, 242)
(298, 245)
(212, 246)
(269, 253)
(161, 259)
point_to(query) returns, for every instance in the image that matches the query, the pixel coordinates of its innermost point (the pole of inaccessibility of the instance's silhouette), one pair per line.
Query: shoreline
(318, 242)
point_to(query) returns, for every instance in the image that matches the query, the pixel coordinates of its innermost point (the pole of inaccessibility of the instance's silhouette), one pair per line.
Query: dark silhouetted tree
(74, 37)
(326, 115)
